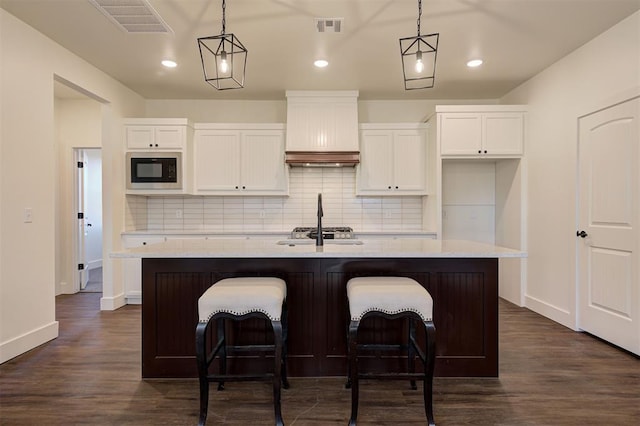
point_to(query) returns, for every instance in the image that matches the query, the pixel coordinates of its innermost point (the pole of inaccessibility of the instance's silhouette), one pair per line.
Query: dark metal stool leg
(201, 359)
(277, 373)
(285, 338)
(223, 349)
(428, 371)
(353, 370)
(411, 352)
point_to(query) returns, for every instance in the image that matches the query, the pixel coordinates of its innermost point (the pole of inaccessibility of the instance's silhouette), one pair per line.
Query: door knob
(581, 234)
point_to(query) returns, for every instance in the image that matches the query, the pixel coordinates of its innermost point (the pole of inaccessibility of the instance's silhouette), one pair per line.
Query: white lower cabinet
(393, 160)
(239, 160)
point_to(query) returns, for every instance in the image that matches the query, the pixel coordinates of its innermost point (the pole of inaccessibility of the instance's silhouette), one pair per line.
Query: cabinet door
(216, 161)
(140, 137)
(460, 134)
(503, 133)
(409, 161)
(262, 165)
(375, 171)
(155, 137)
(169, 137)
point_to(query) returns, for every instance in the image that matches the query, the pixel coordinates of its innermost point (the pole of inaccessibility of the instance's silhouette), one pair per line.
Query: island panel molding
(464, 290)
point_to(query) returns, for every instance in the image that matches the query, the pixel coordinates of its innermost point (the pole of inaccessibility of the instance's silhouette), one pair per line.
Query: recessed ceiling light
(169, 64)
(321, 63)
(474, 63)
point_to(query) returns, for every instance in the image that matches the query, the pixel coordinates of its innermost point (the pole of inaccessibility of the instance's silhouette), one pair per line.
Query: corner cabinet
(239, 159)
(393, 160)
(492, 131)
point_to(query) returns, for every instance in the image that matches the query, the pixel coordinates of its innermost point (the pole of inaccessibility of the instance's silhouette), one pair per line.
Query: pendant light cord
(419, 14)
(224, 20)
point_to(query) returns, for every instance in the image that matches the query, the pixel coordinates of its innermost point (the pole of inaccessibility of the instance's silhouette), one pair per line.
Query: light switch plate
(28, 215)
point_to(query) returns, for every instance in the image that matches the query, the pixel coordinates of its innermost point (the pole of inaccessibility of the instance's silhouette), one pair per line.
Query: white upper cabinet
(322, 121)
(156, 134)
(242, 159)
(393, 160)
(481, 131)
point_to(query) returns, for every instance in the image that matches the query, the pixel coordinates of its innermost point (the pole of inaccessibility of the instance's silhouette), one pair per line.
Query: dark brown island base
(464, 290)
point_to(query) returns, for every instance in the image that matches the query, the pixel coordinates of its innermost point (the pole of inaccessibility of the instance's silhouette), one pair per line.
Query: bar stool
(239, 299)
(391, 298)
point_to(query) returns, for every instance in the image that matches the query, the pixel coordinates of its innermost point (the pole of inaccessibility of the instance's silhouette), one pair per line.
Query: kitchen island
(461, 276)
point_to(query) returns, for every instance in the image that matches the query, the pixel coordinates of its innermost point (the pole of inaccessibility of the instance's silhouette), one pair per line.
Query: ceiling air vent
(329, 25)
(133, 16)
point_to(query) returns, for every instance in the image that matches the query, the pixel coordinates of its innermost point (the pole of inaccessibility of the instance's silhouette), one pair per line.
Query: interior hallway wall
(29, 63)
(603, 71)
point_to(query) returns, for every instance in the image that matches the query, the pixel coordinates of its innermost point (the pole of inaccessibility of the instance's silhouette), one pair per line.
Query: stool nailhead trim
(389, 312)
(240, 313)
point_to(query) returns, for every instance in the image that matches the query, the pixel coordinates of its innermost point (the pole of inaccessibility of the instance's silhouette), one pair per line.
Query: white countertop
(261, 247)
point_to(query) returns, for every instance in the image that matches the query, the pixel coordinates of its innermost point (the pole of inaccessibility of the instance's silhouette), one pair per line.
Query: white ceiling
(516, 39)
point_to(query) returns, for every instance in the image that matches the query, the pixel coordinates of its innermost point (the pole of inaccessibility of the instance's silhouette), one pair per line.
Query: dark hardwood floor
(549, 375)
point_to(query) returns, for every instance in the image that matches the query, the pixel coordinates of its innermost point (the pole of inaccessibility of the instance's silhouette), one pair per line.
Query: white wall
(217, 111)
(29, 61)
(603, 71)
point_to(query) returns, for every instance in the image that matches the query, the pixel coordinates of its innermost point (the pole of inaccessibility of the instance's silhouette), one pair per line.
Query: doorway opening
(88, 190)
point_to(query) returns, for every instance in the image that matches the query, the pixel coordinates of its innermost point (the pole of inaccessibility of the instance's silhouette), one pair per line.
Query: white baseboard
(112, 303)
(65, 288)
(134, 298)
(21, 344)
(561, 316)
(93, 264)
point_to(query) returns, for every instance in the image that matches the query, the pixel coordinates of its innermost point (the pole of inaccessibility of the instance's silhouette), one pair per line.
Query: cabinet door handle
(479, 151)
(581, 234)
(485, 151)
(389, 186)
(244, 187)
(237, 187)
(396, 187)
(150, 145)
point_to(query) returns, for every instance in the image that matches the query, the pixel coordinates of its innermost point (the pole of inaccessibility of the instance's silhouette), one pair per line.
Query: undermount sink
(309, 241)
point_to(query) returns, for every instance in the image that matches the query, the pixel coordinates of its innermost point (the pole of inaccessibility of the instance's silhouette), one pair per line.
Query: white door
(80, 255)
(93, 208)
(607, 235)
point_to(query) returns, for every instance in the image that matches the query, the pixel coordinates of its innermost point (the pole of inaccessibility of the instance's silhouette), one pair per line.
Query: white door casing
(608, 224)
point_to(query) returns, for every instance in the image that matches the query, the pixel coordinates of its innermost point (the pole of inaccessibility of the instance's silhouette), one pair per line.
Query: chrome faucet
(319, 241)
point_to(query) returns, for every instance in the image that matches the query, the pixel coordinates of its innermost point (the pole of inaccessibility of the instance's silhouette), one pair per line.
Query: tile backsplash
(254, 214)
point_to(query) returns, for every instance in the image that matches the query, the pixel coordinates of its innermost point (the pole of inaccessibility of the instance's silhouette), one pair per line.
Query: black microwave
(154, 170)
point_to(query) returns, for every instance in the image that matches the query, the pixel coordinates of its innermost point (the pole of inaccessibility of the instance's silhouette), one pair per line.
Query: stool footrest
(381, 347)
(239, 378)
(251, 348)
(391, 376)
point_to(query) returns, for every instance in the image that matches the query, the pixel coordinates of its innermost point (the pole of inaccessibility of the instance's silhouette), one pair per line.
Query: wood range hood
(322, 129)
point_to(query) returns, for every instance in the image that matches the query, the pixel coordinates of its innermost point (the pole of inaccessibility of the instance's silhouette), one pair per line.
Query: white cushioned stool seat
(240, 296)
(390, 295)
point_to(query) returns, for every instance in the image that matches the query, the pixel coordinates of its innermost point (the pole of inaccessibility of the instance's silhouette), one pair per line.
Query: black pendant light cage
(419, 55)
(224, 59)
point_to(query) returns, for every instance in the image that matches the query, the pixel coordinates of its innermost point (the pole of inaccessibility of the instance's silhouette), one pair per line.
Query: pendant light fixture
(419, 58)
(224, 58)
